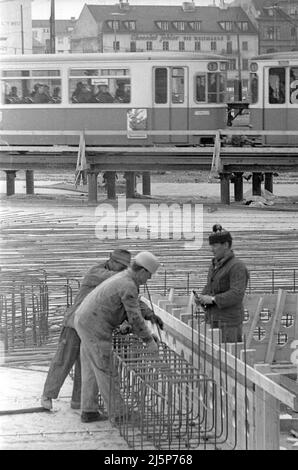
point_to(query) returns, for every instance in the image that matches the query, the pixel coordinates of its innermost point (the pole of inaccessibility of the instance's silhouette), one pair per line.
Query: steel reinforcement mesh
(165, 400)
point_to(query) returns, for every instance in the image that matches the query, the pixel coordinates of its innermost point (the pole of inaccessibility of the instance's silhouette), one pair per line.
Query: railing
(260, 281)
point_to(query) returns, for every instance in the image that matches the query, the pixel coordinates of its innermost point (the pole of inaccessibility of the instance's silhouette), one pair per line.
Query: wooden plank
(254, 322)
(183, 333)
(280, 303)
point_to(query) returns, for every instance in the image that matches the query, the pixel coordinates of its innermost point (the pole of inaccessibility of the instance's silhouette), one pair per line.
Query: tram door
(170, 103)
(275, 109)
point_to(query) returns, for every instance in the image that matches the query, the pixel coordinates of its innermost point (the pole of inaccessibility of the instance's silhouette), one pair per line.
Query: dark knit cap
(219, 235)
(121, 256)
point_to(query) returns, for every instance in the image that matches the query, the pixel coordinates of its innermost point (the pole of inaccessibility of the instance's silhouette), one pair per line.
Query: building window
(197, 46)
(131, 25)
(161, 85)
(226, 25)
(293, 32)
(133, 46)
(213, 45)
(229, 47)
(244, 45)
(232, 64)
(163, 25)
(179, 25)
(242, 25)
(195, 25)
(271, 32)
(116, 46)
(60, 40)
(181, 46)
(149, 45)
(35, 34)
(113, 24)
(165, 45)
(244, 64)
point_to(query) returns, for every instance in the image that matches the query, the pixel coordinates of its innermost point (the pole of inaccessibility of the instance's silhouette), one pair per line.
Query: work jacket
(227, 281)
(108, 305)
(95, 276)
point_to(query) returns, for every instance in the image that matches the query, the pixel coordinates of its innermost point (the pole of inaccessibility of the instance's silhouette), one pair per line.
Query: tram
(100, 91)
(274, 95)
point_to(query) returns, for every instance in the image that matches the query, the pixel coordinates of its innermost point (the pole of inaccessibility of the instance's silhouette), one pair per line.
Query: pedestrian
(101, 312)
(68, 351)
(223, 294)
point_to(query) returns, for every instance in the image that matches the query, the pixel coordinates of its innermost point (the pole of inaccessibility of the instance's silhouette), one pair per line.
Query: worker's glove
(152, 346)
(158, 321)
(155, 338)
(125, 328)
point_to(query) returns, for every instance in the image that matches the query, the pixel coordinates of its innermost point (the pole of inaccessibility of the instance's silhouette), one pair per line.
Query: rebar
(165, 399)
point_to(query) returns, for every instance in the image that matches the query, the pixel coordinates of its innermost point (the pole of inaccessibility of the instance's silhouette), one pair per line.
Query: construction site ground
(20, 387)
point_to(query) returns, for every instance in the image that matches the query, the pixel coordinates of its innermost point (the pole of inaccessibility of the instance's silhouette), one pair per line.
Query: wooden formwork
(252, 418)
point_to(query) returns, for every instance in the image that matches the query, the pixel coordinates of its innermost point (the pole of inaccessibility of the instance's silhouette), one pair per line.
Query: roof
(264, 6)
(107, 56)
(288, 55)
(146, 16)
(61, 26)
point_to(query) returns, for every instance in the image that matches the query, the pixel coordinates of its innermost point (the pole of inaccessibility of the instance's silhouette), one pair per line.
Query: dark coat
(95, 276)
(227, 282)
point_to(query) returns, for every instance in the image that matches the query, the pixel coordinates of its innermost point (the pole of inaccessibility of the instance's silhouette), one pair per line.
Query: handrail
(228, 131)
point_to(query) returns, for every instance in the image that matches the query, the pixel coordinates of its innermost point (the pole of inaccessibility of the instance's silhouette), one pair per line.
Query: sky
(64, 9)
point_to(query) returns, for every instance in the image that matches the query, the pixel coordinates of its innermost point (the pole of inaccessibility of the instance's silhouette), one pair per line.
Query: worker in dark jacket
(226, 284)
(68, 351)
(100, 313)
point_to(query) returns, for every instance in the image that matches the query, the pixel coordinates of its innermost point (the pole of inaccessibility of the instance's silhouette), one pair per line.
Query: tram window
(178, 85)
(277, 79)
(216, 87)
(26, 89)
(254, 85)
(294, 85)
(161, 85)
(101, 86)
(200, 87)
(98, 72)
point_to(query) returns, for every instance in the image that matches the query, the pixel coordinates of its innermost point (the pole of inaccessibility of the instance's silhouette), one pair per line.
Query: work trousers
(96, 363)
(67, 354)
(229, 334)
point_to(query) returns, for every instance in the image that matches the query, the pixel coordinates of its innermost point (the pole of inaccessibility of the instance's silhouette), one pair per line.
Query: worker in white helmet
(100, 313)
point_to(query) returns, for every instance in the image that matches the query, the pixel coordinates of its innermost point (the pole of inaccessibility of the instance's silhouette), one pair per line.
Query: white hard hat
(148, 261)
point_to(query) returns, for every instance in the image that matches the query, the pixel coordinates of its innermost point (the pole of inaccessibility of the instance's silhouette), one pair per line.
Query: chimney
(123, 5)
(188, 6)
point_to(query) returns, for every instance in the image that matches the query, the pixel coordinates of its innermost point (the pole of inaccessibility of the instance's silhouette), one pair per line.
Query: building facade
(276, 22)
(41, 36)
(15, 27)
(127, 28)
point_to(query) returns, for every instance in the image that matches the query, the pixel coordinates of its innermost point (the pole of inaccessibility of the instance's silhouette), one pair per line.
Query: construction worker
(68, 351)
(226, 284)
(101, 312)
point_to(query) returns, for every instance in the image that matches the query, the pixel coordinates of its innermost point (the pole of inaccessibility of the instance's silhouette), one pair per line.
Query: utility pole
(52, 28)
(22, 30)
(239, 69)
